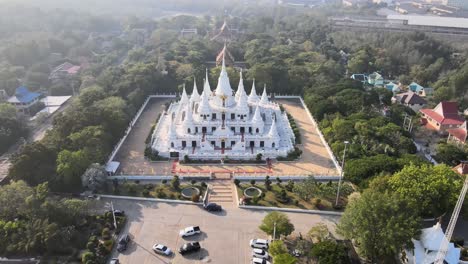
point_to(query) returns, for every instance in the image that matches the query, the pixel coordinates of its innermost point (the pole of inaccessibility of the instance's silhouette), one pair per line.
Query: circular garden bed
(252, 192)
(188, 192)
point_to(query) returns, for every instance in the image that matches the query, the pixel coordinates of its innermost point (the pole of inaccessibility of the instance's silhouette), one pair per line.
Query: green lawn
(272, 198)
(151, 190)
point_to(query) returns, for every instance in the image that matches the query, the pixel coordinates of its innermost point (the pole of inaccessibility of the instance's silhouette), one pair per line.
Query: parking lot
(224, 239)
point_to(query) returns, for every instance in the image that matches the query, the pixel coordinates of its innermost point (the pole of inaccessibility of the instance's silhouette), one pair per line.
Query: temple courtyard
(315, 159)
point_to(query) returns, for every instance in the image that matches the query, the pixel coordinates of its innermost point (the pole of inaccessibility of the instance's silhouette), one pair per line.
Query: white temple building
(426, 248)
(219, 124)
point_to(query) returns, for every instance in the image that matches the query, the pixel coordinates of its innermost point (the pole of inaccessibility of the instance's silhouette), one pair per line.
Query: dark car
(212, 207)
(114, 261)
(189, 247)
(123, 242)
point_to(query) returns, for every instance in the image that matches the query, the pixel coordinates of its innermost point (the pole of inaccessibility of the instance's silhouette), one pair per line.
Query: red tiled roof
(459, 133)
(461, 168)
(445, 113)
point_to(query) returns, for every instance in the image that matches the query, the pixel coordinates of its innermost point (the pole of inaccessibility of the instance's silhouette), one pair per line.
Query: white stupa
(221, 123)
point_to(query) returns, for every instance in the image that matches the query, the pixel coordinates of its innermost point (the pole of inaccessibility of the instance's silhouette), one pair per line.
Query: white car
(162, 249)
(260, 261)
(259, 243)
(260, 253)
(190, 231)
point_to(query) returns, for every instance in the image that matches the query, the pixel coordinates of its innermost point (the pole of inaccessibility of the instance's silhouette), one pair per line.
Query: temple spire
(240, 89)
(206, 86)
(253, 98)
(188, 116)
(264, 99)
(184, 98)
(195, 97)
(172, 129)
(257, 118)
(273, 130)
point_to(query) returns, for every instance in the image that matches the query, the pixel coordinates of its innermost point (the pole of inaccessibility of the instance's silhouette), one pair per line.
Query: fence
(288, 177)
(157, 178)
(133, 122)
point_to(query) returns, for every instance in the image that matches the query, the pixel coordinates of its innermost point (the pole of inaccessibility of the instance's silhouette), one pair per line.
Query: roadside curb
(290, 210)
(148, 199)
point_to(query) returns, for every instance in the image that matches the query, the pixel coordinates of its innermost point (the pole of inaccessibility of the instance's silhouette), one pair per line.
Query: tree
(283, 225)
(450, 154)
(35, 164)
(380, 223)
(277, 247)
(70, 167)
(432, 190)
(306, 189)
(319, 232)
(284, 259)
(94, 177)
(329, 252)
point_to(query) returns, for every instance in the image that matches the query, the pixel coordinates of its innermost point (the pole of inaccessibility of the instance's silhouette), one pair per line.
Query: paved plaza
(225, 237)
(315, 159)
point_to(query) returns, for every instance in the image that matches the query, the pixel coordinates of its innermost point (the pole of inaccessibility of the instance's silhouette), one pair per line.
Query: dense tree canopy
(381, 224)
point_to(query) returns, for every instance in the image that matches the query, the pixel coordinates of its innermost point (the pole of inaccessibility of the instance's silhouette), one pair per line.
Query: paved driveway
(225, 237)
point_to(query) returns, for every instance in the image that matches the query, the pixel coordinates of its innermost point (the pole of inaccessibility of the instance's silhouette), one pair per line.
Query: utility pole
(342, 173)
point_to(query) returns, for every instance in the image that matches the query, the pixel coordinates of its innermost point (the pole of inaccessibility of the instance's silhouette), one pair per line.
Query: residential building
(393, 87)
(415, 87)
(24, 99)
(64, 71)
(461, 168)
(457, 135)
(375, 79)
(411, 100)
(359, 77)
(443, 117)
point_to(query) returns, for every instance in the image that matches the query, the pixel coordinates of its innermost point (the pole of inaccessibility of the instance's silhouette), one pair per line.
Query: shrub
(164, 181)
(175, 182)
(108, 244)
(237, 182)
(290, 186)
(137, 181)
(91, 246)
(105, 233)
(255, 199)
(88, 257)
(203, 184)
(193, 182)
(252, 182)
(296, 202)
(268, 183)
(160, 193)
(195, 198)
(277, 247)
(172, 196)
(145, 193)
(259, 157)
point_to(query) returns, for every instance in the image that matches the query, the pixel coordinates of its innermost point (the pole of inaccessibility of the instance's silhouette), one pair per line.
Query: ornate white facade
(219, 124)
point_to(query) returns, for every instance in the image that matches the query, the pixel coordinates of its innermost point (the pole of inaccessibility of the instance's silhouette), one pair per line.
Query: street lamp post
(274, 231)
(342, 172)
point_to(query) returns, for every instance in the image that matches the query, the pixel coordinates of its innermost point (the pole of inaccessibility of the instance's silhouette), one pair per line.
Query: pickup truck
(190, 231)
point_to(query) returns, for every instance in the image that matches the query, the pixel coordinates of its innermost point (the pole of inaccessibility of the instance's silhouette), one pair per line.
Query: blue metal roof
(25, 96)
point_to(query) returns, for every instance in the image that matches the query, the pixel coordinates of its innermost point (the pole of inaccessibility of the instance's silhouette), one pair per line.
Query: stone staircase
(222, 192)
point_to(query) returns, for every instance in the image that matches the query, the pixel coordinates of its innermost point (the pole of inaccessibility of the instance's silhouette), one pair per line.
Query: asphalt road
(225, 238)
